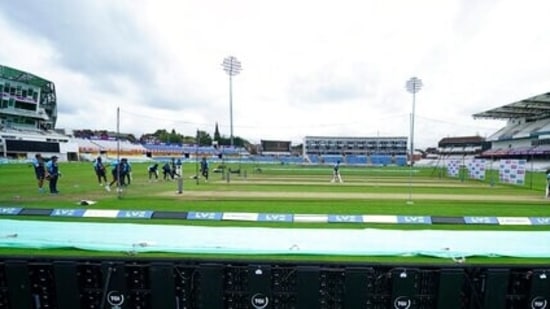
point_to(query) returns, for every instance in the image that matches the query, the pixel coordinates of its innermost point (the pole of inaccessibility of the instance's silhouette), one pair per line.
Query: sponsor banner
(178, 215)
(540, 220)
(453, 168)
(345, 219)
(379, 219)
(35, 212)
(275, 217)
(514, 221)
(198, 215)
(481, 220)
(100, 213)
(60, 212)
(512, 171)
(311, 218)
(447, 220)
(137, 214)
(10, 210)
(240, 216)
(476, 169)
(414, 219)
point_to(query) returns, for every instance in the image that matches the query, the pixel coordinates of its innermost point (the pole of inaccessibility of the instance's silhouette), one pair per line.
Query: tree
(163, 136)
(237, 141)
(203, 138)
(174, 137)
(189, 139)
(217, 136)
(240, 142)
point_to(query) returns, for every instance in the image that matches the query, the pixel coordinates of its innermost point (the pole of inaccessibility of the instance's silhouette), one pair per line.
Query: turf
(279, 189)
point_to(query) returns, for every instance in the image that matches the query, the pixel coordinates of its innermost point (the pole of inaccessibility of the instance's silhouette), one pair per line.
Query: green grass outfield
(287, 189)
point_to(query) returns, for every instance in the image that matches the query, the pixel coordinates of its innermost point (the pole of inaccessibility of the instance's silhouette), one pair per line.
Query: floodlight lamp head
(414, 84)
(231, 66)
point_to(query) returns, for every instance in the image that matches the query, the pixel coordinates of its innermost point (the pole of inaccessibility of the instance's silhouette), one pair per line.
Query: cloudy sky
(310, 67)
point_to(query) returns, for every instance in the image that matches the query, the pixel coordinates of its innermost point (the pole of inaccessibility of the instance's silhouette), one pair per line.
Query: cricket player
(336, 173)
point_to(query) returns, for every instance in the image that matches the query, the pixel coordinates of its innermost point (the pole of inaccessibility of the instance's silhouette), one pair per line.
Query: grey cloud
(67, 109)
(163, 102)
(92, 38)
(101, 40)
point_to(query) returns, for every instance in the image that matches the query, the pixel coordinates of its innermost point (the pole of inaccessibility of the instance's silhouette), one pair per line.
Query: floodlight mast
(232, 67)
(413, 86)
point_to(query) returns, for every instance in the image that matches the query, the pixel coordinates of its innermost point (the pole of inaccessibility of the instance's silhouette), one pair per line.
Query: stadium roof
(533, 108)
(23, 77)
(461, 140)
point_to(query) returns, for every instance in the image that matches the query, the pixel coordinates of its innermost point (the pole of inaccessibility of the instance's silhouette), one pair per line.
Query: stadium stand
(380, 160)
(356, 159)
(331, 159)
(28, 114)
(462, 145)
(291, 159)
(87, 146)
(27, 101)
(378, 151)
(527, 132)
(313, 158)
(400, 160)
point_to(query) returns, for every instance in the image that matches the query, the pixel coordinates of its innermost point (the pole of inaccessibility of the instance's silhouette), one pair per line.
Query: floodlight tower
(413, 86)
(232, 67)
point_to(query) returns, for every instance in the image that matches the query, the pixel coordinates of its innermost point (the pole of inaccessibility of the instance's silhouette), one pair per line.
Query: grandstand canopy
(461, 140)
(533, 108)
(24, 77)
